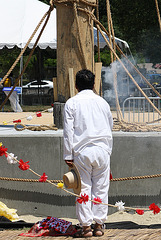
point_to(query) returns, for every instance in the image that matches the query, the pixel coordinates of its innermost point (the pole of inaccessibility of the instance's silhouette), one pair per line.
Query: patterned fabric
(57, 224)
(51, 226)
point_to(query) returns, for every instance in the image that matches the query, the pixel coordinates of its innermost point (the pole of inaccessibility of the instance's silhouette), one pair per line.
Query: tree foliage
(137, 23)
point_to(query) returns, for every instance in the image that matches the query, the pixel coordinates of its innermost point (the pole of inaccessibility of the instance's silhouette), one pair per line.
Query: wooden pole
(55, 89)
(75, 44)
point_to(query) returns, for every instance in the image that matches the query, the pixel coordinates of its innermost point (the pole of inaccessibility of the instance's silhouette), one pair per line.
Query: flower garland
(30, 117)
(83, 198)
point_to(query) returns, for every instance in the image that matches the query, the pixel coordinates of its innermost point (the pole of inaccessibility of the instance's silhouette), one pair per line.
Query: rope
(134, 127)
(24, 49)
(98, 42)
(53, 183)
(109, 26)
(27, 180)
(158, 13)
(17, 80)
(113, 58)
(35, 128)
(110, 46)
(136, 84)
(88, 3)
(149, 84)
(135, 178)
(61, 181)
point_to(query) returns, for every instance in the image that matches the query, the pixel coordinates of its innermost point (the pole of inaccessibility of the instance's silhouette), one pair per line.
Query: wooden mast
(75, 43)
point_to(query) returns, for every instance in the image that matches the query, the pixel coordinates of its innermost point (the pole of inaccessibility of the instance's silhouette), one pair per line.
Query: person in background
(88, 143)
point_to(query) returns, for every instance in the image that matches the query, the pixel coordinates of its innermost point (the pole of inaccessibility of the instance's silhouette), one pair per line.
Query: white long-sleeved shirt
(87, 121)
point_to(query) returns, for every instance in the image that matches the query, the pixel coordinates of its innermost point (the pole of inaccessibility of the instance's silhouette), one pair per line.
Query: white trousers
(94, 166)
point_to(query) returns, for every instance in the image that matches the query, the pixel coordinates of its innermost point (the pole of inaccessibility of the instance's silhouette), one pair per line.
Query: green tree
(137, 23)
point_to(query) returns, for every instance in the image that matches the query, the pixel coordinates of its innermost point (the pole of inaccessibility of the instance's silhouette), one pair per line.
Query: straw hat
(72, 179)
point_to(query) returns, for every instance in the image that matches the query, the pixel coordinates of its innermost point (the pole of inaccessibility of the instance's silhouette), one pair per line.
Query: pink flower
(3, 151)
(139, 211)
(97, 199)
(155, 208)
(43, 178)
(84, 198)
(38, 114)
(23, 165)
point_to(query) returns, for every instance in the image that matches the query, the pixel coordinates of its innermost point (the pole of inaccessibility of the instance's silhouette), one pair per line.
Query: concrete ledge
(134, 154)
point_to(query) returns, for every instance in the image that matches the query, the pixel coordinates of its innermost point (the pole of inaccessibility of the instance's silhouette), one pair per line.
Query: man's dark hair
(85, 79)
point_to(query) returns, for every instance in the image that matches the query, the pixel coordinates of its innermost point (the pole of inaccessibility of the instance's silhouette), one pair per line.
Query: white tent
(19, 19)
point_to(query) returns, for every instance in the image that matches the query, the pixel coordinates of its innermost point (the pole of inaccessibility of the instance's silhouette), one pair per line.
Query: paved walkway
(110, 234)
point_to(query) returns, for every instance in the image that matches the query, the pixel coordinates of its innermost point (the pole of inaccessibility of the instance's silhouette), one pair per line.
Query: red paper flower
(43, 178)
(139, 211)
(3, 151)
(17, 121)
(111, 175)
(38, 114)
(155, 208)
(97, 199)
(84, 198)
(23, 165)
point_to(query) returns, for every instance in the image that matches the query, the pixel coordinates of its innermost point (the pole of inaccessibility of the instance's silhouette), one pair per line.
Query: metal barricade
(138, 109)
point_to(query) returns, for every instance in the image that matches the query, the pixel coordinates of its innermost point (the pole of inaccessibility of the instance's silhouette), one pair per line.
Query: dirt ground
(47, 117)
(9, 117)
(110, 234)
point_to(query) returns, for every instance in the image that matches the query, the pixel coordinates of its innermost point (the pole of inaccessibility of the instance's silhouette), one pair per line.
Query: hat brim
(75, 169)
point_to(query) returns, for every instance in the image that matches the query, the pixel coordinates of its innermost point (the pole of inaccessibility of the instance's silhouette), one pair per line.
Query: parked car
(35, 87)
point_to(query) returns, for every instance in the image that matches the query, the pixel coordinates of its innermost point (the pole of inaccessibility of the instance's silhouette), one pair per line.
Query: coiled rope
(35, 128)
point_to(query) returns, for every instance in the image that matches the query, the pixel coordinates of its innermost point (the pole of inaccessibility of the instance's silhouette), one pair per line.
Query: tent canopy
(19, 19)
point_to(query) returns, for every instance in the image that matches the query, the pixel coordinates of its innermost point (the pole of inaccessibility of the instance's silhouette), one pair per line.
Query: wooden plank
(55, 89)
(71, 82)
(98, 67)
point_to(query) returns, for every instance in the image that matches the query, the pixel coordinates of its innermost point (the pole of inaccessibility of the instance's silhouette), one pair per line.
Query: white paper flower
(50, 110)
(29, 118)
(120, 206)
(10, 158)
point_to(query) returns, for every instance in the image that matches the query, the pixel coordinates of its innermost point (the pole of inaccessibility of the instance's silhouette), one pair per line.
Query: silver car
(35, 87)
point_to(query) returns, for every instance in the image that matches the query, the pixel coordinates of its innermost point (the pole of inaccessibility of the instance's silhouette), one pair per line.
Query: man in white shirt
(88, 143)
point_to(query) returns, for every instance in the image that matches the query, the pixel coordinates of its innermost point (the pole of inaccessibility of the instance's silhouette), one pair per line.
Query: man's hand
(69, 163)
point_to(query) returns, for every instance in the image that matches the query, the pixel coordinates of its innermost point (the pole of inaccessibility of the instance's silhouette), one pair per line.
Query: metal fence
(138, 109)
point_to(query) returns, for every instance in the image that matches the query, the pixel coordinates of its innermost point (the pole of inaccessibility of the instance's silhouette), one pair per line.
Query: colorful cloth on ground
(51, 226)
